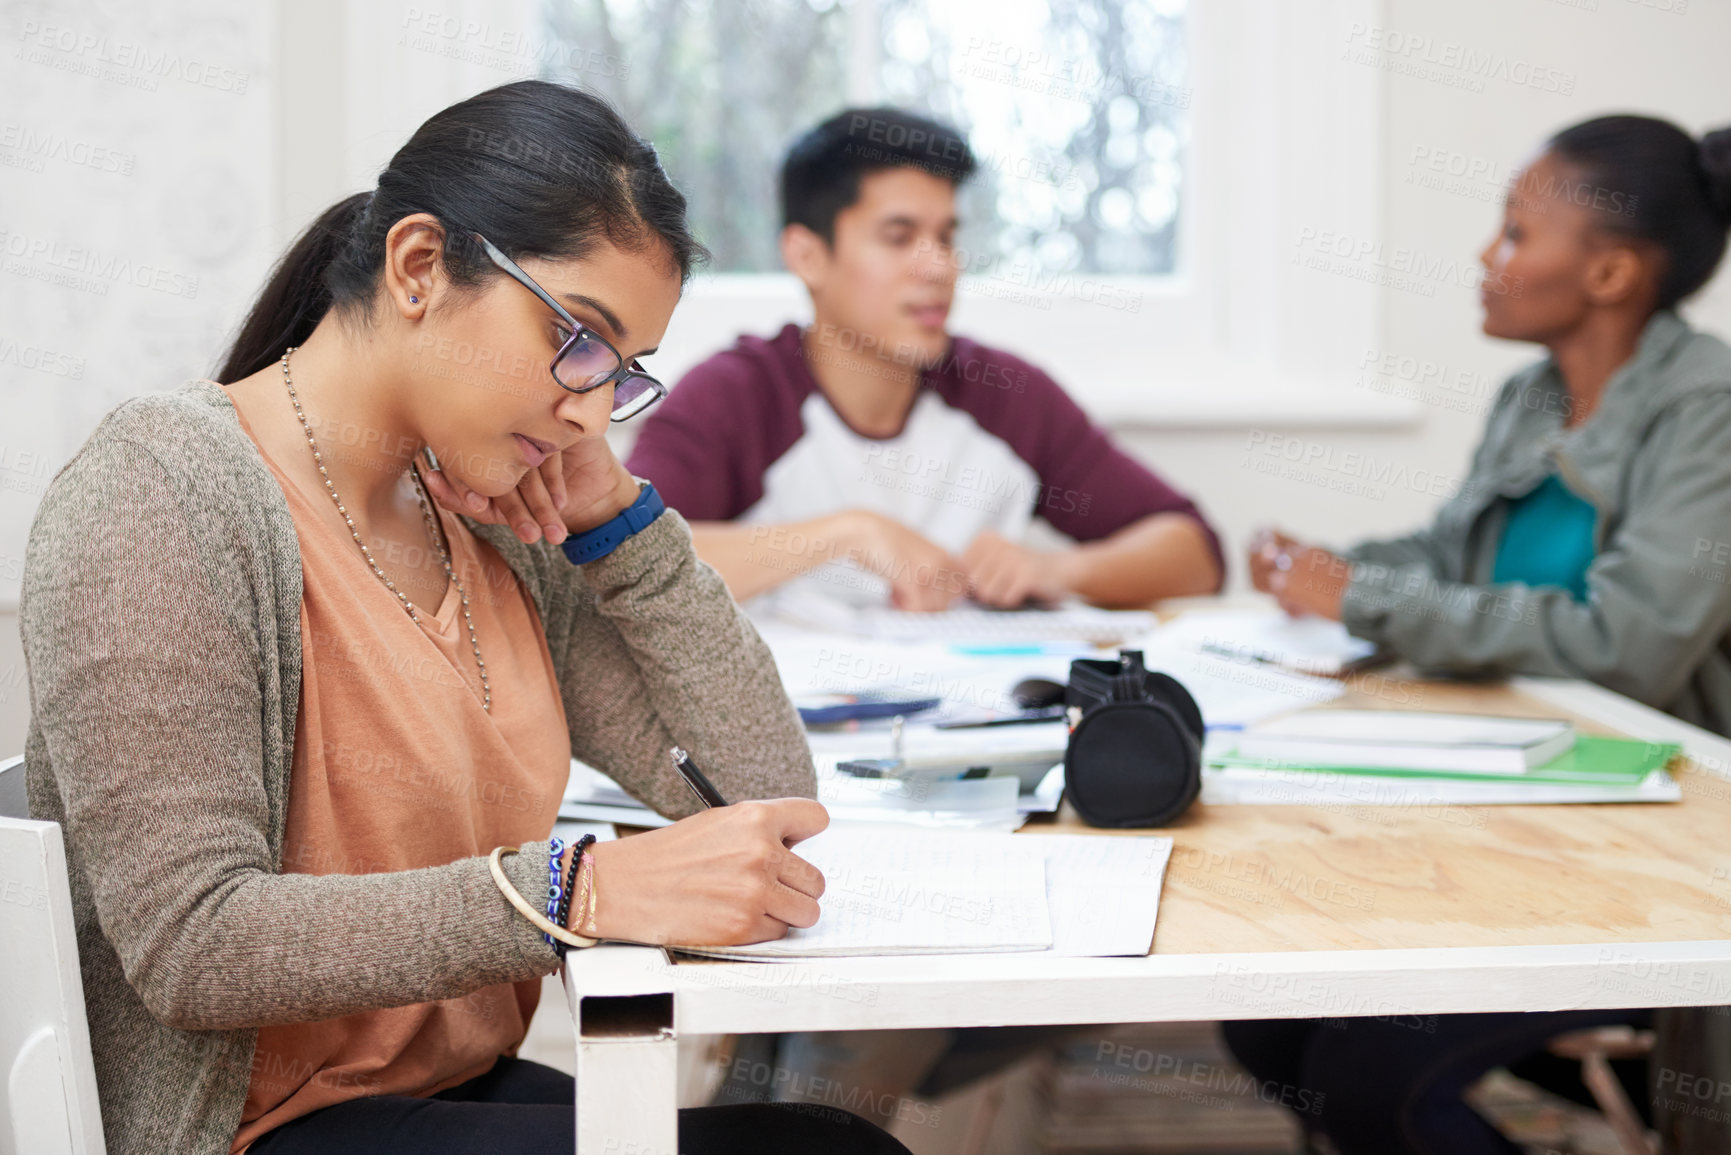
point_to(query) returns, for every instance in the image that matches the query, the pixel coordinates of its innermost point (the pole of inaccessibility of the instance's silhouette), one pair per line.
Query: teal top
(1547, 540)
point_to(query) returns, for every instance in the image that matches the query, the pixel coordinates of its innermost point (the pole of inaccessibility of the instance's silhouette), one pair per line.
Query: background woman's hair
(1660, 184)
(540, 169)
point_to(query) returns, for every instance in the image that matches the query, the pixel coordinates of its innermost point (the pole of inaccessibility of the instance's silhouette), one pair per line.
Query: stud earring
(414, 300)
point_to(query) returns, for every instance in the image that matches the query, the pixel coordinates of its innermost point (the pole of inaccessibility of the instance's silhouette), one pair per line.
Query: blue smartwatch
(594, 544)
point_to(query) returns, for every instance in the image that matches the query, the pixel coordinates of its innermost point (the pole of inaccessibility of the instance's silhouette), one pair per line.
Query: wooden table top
(1348, 877)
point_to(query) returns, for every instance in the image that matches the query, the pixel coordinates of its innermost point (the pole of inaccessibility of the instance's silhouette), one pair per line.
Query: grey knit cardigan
(160, 614)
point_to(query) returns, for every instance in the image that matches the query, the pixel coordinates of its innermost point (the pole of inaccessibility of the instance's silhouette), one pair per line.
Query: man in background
(876, 454)
(873, 455)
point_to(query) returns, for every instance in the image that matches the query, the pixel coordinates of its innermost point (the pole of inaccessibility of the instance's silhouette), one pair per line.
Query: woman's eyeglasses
(587, 360)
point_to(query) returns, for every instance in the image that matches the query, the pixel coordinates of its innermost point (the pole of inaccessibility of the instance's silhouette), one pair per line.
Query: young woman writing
(305, 704)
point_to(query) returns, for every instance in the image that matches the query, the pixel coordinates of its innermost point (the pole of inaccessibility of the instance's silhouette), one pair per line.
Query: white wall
(1623, 56)
(136, 165)
(216, 180)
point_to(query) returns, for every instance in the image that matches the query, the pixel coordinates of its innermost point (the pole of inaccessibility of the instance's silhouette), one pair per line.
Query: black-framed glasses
(587, 360)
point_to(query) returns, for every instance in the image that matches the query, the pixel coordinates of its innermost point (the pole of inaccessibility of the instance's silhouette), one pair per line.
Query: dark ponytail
(296, 296)
(540, 169)
(1663, 186)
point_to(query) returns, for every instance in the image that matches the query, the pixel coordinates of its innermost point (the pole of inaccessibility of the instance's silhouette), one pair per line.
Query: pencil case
(1134, 756)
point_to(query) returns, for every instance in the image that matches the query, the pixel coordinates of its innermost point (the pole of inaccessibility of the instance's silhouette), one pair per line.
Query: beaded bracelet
(554, 891)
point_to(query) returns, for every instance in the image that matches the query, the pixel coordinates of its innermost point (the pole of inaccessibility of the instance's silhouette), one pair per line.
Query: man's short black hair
(820, 175)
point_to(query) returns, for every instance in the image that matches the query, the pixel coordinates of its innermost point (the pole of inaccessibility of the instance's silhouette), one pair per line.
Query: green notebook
(1594, 761)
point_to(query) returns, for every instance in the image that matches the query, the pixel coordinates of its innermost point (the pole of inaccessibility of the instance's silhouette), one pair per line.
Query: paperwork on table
(973, 679)
(1594, 769)
(917, 892)
(1307, 645)
(801, 608)
(1407, 740)
(978, 803)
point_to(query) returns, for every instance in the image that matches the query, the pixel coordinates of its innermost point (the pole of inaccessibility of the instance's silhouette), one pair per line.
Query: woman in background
(1591, 539)
(307, 731)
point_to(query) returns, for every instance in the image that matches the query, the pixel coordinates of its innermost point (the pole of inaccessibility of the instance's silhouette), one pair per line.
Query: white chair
(48, 1102)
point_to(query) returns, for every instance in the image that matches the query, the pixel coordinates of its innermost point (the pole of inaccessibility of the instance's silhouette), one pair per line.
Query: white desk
(1268, 912)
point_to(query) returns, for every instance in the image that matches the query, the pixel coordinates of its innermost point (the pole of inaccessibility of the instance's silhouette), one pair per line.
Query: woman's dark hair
(540, 169)
(1656, 182)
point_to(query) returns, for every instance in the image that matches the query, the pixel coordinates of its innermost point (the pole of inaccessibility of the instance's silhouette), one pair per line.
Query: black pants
(524, 1108)
(1393, 1086)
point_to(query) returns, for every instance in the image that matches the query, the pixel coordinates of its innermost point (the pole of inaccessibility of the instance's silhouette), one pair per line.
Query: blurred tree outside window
(1077, 110)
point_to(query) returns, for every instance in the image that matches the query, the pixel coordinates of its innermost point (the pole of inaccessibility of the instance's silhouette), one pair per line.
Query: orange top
(397, 767)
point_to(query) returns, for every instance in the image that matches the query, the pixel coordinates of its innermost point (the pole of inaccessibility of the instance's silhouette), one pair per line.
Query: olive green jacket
(1655, 461)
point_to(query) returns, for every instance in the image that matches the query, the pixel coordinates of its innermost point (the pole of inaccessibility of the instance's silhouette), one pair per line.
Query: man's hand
(922, 576)
(1004, 574)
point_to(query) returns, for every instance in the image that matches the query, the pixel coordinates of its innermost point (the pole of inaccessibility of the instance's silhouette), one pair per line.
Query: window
(1077, 111)
(1164, 287)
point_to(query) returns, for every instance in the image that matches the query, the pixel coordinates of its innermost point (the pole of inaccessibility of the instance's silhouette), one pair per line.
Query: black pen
(694, 778)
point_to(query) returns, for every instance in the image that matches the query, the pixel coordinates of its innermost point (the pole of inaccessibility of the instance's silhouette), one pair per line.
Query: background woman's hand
(719, 878)
(1304, 579)
(573, 490)
(1266, 550)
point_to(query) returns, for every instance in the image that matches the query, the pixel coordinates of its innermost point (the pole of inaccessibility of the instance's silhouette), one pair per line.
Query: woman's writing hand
(719, 878)
(574, 489)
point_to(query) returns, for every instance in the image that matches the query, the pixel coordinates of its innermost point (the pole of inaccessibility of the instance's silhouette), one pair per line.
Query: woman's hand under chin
(573, 490)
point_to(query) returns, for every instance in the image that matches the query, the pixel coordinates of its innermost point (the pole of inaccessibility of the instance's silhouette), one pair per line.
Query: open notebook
(894, 892)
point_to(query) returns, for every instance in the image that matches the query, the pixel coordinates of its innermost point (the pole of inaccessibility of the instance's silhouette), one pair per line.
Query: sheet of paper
(1305, 645)
(802, 607)
(1233, 694)
(894, 892)
(969, 683)
(1082, 623)
(1103, 890)
(959, 804)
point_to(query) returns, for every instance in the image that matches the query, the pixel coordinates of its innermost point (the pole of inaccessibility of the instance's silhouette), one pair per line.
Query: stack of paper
(911, 892)
(1594, 769)
(1403, 740)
